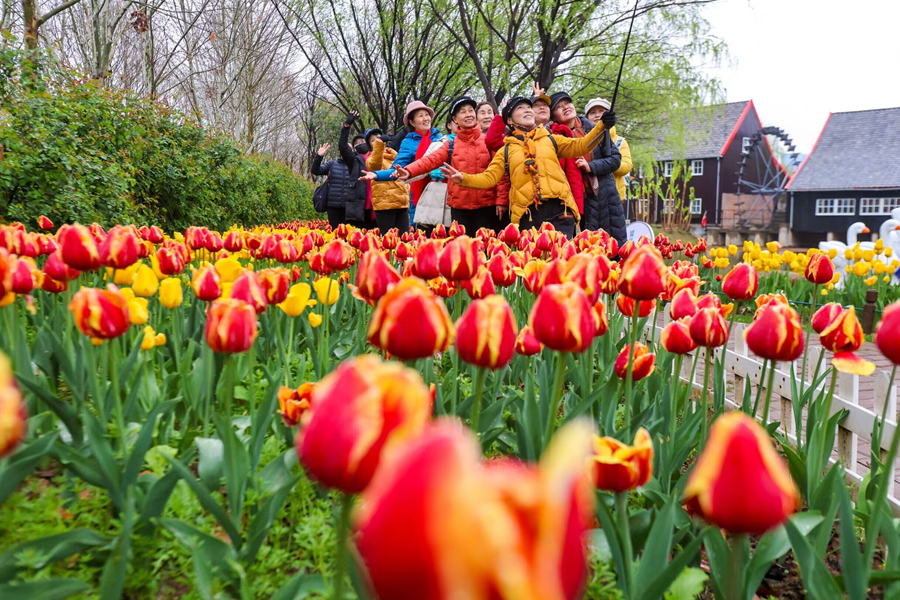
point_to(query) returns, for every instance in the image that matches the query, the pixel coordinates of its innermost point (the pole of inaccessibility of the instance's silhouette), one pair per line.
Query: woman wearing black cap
(471, 208)
(539, 190)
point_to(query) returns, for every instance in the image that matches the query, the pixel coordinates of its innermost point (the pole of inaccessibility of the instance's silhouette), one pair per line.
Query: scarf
(529, 146)
(417, 187)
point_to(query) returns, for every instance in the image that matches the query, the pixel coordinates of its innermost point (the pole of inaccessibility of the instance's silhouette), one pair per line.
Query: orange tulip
(410, 306)
(434, 495)
(294, 402)
(13, 412)
(643, 275)
(739, 482)
(618, 467)
(777, 335)
(486, 333)
(100, 314)
(709, 328)
(676, 337)
(231, 326)
(563, 319)
(374, 277)
(741, 282)
(820, 269)
(643, 362)
(363, 407)
(78, 249)
(460, 259)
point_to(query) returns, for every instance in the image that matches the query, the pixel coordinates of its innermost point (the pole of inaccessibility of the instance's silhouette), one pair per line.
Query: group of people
(537, 161)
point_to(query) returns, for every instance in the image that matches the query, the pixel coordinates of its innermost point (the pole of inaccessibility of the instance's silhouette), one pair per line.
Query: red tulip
(231, 326)
(626, 306)
(120, 248)
(501, 270)
(825, 315)
(425, 260)
(741, 282)
(676, 337)
(25, 276)
(78, 249)
(618, 467)
(13, 411)
(7, 266)
(374, 277)
(777, 335)
(526, 343)
(684, 304)
(643, 361)
(563, 319)
(100, 314)
(338, 255)
(486, 333)
(460, 259)
(480, 286)
(207, 284)
(248, 288)
(888, 333)
(709, 328)
(820, 269)
(602, 318)
(276, 283)
(410, 306)
(171, 261)
(44, 223)
(234, 241)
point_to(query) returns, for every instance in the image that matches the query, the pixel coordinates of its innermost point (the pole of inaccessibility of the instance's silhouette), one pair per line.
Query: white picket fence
(857, 425)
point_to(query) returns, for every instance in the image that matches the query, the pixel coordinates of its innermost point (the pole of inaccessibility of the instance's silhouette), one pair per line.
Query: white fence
(856, 426)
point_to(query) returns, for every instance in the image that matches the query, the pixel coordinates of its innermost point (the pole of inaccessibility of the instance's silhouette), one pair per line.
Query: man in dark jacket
(602, 203)
(352, 156)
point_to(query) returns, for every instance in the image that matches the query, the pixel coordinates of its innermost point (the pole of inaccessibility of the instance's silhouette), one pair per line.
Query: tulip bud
(501, 270)
(53, 286)
(120, 248)
(480, 286)
(777, 335)
(510, 234)
(170, 261)
(526, 343)
(739, 482)
(676, 337)
(231, 326)
(207, 284)
(626, 306)
(100, 314)
(643, 362)
(888, 333)
(410, 306)
(443, 288)
(643, 275)
(563, 319)
(78, 249)
(825, 315)
(13, 412)
(374, 277)
(741, 282)
(276, 283)
(294, 402)
(248, 288)
(820, 269)
(684, 304)
(486, 333)
(709, 328)
(460, 259)
(602, 318)
(44, 223)
(25, 276)
(618, 467)
(763, 299)
(338, 255)
(362, 407)
(145, 282)
(425, 260)
(170, 294)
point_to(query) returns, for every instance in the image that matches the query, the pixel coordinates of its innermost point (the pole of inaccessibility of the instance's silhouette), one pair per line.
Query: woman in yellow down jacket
(539, 189)
(390, 199)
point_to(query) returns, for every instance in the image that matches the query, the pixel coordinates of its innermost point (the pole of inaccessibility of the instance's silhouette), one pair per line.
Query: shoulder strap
(506, 158)
(555, 145)
(450, 150)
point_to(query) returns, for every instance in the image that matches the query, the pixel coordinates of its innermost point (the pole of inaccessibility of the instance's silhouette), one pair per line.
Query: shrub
(75, 150)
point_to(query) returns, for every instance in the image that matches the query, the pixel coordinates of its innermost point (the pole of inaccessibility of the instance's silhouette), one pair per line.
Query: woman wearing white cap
(594, 112)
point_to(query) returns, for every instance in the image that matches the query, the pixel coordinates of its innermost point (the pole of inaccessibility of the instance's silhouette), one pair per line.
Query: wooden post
(868, 316)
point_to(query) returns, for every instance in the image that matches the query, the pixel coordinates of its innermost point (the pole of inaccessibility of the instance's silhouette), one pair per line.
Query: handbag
(432, 208)
(320, 198)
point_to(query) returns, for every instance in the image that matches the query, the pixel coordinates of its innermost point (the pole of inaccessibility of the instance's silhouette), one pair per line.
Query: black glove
(609, 119)
(351, 118)
(397, 138)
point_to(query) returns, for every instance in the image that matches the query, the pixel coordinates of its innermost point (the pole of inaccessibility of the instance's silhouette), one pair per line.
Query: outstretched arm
(482, 181)
(575, 147)
(430, 162)
(495, 135)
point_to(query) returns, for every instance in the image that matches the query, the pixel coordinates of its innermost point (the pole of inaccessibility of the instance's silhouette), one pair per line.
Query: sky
(799, 60)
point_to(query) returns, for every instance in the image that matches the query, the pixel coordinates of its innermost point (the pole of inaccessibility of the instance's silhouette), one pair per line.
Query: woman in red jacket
(471, 208)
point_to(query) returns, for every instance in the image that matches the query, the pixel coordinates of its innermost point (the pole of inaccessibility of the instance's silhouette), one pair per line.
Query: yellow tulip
(868, 255)
(848, 269)
(836, 278)
(315, 319)
(228, 269)
(888, 252)
(721, 253)
(789, 256)
(861, 268)
(857, 253)
(226, 290)
(879, 267)
(149, 341)
(832, 254)
(128, 293)
(179, 237)
(159, 339)
(887, 279)
(145, 282)
(154, 262)
(327, 290)
(824, 292)
(748, 246)
(170, 294)
(848, 254)
(732, 249)
(870, 281)
(722, 262)
(137, 311)
(297, 300)
(772, 246)
(125, 276)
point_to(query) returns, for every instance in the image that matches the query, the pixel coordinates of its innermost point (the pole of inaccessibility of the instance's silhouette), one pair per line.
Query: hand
(323, 149)
(501, 210)
(401, 174)
(537, 90)
(368, 176)
(582, 164)
(452, 174)
(609, 119)
(351, 118)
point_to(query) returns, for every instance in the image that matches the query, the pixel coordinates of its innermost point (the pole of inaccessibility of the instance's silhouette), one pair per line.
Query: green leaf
(142, 445)
(113, 579)
(237, 466)
(212, 557)
(102, 453)
(22, 463)
(854, 571)
(688, 585)
(48, 550)
(261, 524)
(44, 589)
(300, 587)
(211, 464)
(820, 585)
(656, 550)
(664, 580)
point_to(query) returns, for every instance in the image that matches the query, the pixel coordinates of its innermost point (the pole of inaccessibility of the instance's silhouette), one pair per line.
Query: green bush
(75, 150)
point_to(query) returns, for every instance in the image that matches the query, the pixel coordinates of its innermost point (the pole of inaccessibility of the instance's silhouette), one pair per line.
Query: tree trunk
(29, 13)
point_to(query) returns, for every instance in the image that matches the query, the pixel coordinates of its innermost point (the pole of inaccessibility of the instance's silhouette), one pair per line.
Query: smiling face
(485, 116)
(565, 113)
(596, 114)
(421, 120)
(523, 115)
(466, 118)
(541, 112)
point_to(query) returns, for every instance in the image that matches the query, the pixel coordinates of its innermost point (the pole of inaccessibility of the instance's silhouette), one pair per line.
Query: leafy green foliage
(77, 151)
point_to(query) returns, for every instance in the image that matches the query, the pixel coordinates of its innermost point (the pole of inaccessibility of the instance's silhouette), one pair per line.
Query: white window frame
(697, 206)
(696, 168)
(668, 205)
(745, 144)
(643, 206)
(878, 206)
(668, 168)
(835, 207)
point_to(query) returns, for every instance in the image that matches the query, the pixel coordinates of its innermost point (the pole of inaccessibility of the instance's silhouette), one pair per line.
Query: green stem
(676, 385)
(557, 397)
(454, 401)
(629, 383)
(653, 327)
(886, 477)
(625, 533)
(343, 527)
(480, 374)
(326, 310)
(117, 399)
(759, 388)
(736, 567)
(768, 395)
(704, 422)
(806, 348)
(228, 389)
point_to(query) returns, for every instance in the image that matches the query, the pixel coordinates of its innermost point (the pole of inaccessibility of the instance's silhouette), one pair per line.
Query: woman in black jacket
(346, 194)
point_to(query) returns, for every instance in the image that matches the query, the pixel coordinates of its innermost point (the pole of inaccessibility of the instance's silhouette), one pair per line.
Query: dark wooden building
(709, 143)
(852, 174)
